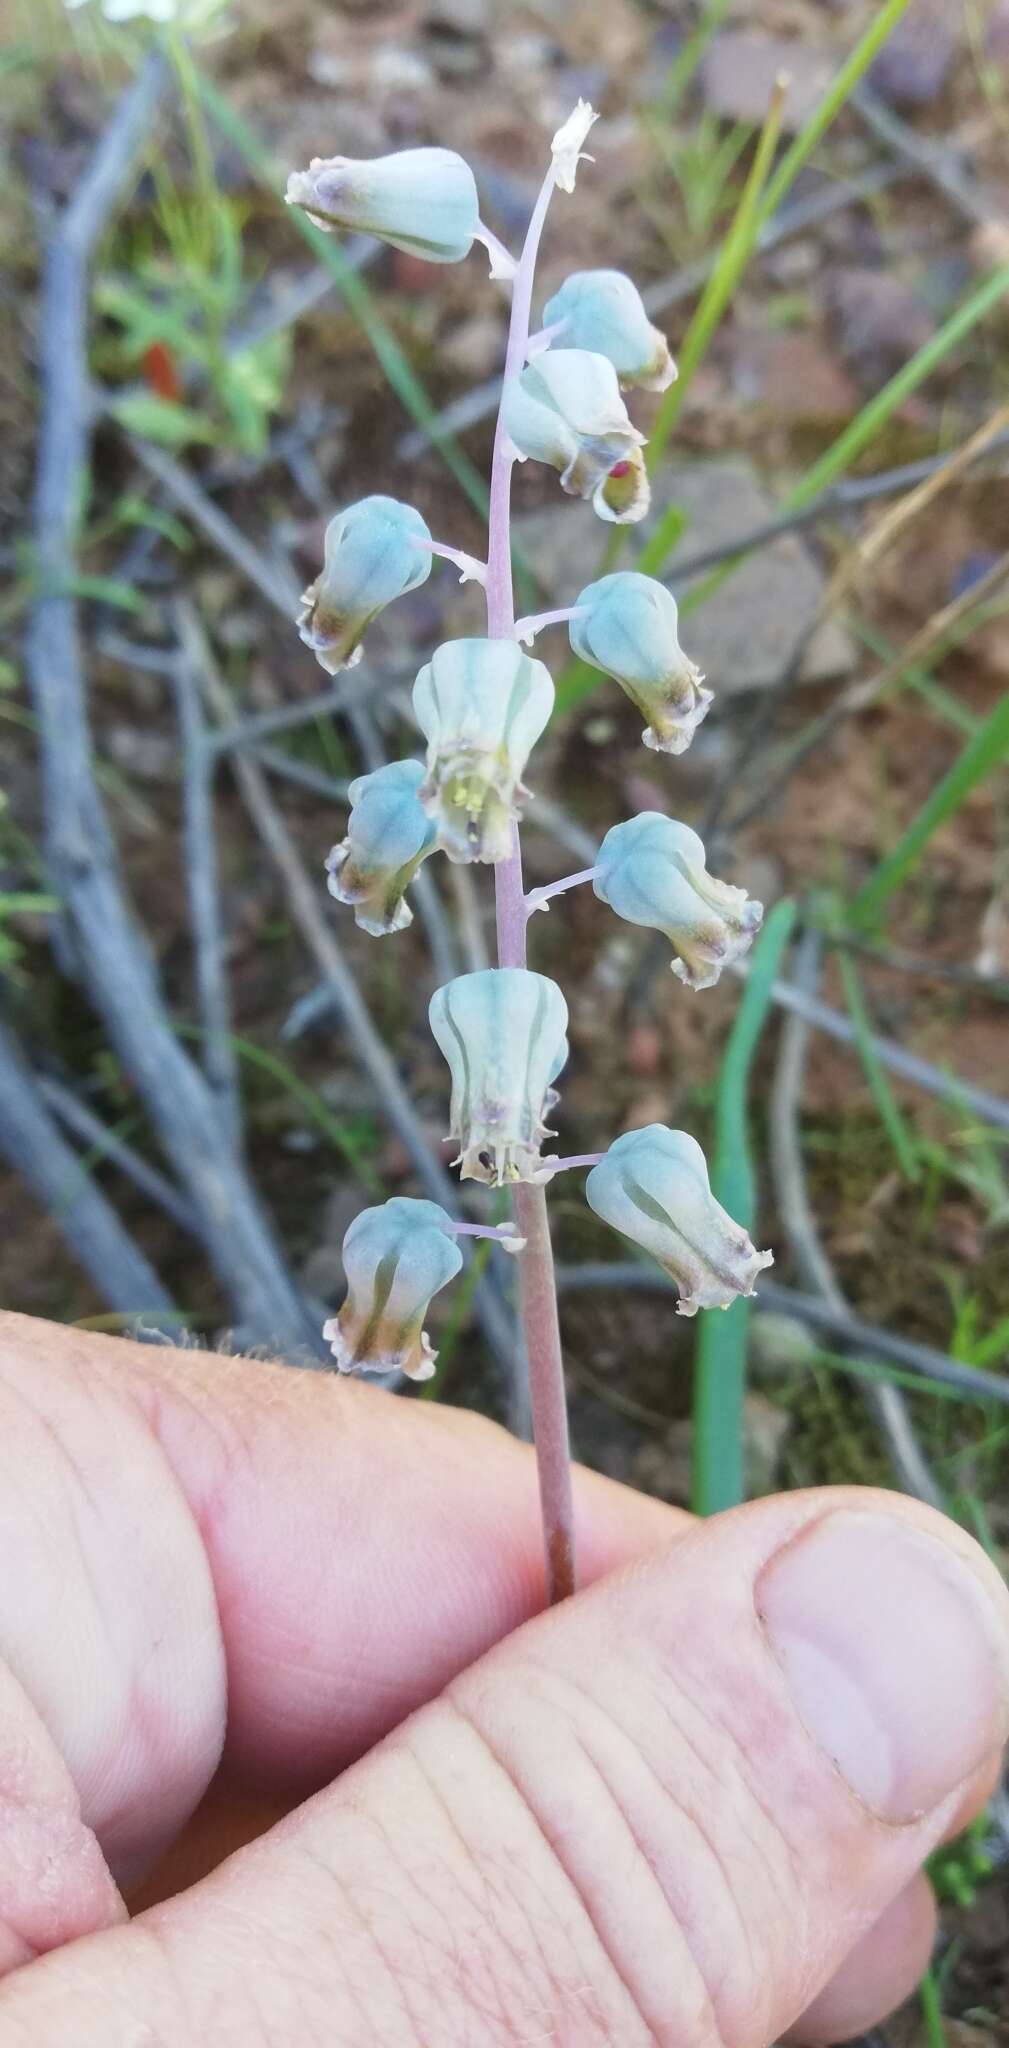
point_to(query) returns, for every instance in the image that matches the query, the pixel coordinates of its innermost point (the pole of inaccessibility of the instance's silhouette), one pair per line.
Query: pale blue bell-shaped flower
(502, 1031)
(375, 551)
(395, 1258)
(651, 871)
(627, 625)
(481, 705)
(602, 310)
(388, 835)
(652, 1185)
(421, 200)
(565, 409)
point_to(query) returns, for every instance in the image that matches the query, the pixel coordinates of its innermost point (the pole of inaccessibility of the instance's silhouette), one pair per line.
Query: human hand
(671, 1811)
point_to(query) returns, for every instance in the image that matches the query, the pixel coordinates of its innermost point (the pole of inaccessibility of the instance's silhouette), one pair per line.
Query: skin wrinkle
(508, 1772)
(493, 1883)
(695, 1815)
(533, 1922)
(567, 1686)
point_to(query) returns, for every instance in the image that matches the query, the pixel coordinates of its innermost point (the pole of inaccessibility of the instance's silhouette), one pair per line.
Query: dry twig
(113, 959)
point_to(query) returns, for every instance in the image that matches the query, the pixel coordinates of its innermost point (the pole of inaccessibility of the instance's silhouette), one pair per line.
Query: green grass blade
(931, 2011)
(882, 1093)
(686, 61)
(578, 680)
(875, 415)
(718, 293)
(834, 99)
(404, 381)
(984, 751)
(720, 1371)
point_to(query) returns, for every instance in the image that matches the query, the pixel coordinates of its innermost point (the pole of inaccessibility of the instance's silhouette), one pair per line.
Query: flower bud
(421, 200)
(602, 310)
(651, 871)
(565, 408)
(652, 1185)
(371, 556)
(481, 705)
(566, 147)
(502, 1032)
(626, 625)
(388, 835)
(395, 1258)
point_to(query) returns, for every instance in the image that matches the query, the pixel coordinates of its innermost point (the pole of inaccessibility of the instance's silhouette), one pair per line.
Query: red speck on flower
(621, 469)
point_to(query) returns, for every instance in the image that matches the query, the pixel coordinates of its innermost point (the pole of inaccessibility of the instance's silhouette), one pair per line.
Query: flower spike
(603, 311)
(395, 1257)
(502, 1031)
(481, 705)
(421, 200)
(375, 551)
(388, 835)
(651, 871)
(652, 1185)
(627, 625)
(565, 409)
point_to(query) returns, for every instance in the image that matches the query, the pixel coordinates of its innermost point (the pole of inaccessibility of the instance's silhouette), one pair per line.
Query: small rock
(794, 375)
(322, 1273)
(149, 756)
(996, 35)
(663, 1469)
(914, 63)
(741, 68)
(465, 17)
(475, 348)
(765, 1427)
(879, 320)
(747, 636)
(645, 1047)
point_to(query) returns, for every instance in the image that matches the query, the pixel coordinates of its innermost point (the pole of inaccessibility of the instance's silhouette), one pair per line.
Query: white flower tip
(567, 145)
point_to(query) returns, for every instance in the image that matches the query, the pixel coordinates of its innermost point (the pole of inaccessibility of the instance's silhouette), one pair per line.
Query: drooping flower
(652, 1185)
(502, 1031)
(481, 705)
(388, 835)
(566, 146)
(395, 1256)
(627, 625)
(602, 310)
(421, 200)
(565, 409)
(371, 556)
(651, 871)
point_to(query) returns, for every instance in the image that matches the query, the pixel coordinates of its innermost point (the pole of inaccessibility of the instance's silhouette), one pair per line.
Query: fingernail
(895, 1655)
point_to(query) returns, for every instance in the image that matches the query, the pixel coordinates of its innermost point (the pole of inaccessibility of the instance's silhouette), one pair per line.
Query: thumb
(664, 1812)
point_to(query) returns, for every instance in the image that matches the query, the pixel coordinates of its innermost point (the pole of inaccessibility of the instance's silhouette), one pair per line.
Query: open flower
(388, 835)
(652, 1185)
(565, 408)
(481, 705)
(602, 310)
(627, 625)
(422, 200)
(395, 1257)
(502, 1031)
(651, 871)
(371, 556)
